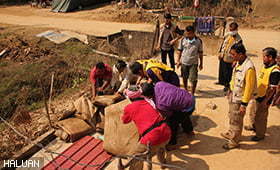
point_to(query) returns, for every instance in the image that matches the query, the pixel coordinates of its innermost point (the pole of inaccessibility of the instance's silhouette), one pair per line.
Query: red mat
(87, 150)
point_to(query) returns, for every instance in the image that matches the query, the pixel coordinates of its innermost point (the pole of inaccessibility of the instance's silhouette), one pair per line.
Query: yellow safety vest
(152, 63)
(156, 66)
(263, 79)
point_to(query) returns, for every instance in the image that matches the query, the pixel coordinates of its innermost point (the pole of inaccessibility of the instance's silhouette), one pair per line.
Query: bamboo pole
(105, 54)
(155, 38)
(51, 90)
(46, 105)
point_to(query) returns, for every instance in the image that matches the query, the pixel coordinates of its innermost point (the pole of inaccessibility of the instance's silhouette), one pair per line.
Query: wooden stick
(155, 38)
(149, 157)
(51, 90)
(46, 105)
(106, 54)
(3, 52)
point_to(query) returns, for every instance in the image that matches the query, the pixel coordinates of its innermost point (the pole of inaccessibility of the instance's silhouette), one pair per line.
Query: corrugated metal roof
(87, 150)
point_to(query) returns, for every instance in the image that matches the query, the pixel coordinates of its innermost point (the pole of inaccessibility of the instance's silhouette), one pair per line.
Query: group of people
(245, 86)
(159, 106)
(237, 74)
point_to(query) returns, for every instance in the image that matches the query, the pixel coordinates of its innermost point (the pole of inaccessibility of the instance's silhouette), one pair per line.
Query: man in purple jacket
(173, 102)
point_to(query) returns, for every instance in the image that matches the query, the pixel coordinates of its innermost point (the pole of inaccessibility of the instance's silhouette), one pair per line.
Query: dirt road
(78, 22)
(204, 151)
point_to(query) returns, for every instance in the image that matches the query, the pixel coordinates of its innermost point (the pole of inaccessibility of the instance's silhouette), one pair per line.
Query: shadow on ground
(210, 93)
(271, 143)
(188, 162)
(202, 123)
(199, 144)
(206, 77)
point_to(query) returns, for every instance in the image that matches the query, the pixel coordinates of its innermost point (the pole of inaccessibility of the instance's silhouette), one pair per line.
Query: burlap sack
(107, 100)
(72, 129)
(85, 110)
(119, 138)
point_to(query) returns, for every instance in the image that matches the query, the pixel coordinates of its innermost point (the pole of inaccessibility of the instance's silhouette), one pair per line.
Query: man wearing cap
(167, 38)
(226, 61)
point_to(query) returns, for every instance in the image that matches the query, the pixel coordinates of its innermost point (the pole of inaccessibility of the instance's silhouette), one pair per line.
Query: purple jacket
(169, 98)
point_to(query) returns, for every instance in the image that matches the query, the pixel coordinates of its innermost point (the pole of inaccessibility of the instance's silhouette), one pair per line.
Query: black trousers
(179, 118)
(170, 55)
(225, 73)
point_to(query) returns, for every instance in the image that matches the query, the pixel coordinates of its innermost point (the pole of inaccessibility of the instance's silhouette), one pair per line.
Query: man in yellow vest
(268, 82)
(243, 86)
(155, 71)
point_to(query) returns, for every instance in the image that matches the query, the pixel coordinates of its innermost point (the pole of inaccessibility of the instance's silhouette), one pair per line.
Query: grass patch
(21, 84)
(3, 126)
(3, 64)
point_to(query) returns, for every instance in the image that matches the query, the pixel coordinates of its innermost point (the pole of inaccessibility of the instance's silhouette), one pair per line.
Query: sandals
(226, 135)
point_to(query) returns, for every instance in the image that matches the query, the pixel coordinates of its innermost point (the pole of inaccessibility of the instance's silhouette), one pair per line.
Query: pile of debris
(20, 50)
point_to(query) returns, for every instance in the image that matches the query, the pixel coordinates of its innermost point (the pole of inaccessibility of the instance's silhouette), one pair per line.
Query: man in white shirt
(122, 77)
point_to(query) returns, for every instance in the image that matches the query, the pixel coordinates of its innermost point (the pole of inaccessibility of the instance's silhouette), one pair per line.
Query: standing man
(226, 61)
(243, 86)
(167, 39)
(268, 82)
(190, 51)
(100, 77)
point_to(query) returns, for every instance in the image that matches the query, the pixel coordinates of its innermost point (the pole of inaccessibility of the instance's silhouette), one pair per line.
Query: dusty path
(204, 151)
(79, 21)
(90, 27)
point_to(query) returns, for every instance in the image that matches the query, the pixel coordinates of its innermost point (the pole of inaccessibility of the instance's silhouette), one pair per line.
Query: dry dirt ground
(88, 21)
(94, 19)
(204, 151)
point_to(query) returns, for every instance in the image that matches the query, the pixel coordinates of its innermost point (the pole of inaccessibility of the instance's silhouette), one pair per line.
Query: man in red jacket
(100, 77)
(152, 128)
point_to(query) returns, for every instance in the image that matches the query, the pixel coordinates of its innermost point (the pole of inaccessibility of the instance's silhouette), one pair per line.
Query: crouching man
(174, 103)
(153, 130)
(100, 77)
